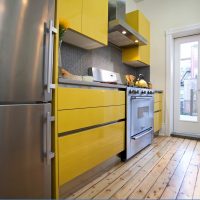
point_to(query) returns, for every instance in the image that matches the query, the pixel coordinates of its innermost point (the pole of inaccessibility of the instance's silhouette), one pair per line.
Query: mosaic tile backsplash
(77, 61)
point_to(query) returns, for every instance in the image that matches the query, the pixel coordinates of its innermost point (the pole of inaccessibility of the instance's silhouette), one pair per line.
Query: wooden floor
(168, 169)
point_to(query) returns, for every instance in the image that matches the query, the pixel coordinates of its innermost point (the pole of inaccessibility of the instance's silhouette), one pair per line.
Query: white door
(187, 85)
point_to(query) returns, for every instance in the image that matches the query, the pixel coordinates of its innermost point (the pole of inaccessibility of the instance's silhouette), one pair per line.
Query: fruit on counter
(65, 73)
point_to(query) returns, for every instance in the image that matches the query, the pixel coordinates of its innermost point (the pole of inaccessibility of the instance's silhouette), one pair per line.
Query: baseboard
(186, 135)
(163, 130)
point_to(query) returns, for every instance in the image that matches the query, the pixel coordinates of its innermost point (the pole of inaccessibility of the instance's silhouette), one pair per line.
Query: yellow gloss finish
(55, 184)
(82, 151)
(71, 10)
(142, 53)
(157, 97)
(157, 121)
(80, 118)
(95, 20)
(71, 98)
(157, 106)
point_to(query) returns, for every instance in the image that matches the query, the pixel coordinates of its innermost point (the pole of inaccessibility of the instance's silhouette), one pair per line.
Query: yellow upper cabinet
(138, 56)
(95, 20)
(72, 11)
(88, 21)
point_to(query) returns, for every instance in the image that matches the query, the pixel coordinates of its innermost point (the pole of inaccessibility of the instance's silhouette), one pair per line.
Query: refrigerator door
(25, 157)
(25, 66)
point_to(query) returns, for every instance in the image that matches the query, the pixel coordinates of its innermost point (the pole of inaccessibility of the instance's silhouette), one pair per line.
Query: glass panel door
(186, 85)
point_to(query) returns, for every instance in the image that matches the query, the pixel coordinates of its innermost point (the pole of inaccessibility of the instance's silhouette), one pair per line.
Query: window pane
(188, 81)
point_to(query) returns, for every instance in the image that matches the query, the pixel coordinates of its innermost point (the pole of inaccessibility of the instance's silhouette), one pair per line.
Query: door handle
(49, 153)
(52, 31)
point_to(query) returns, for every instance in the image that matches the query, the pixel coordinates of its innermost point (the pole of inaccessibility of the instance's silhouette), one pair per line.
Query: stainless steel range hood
(120, 33)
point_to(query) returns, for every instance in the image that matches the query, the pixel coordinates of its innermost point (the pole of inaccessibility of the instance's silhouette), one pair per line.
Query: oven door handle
(142, 97)
(141, 135)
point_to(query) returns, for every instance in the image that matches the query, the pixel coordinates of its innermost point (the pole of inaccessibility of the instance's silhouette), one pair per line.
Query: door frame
(171, 35)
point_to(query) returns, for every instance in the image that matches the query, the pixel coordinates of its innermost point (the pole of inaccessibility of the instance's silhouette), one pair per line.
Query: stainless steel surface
(24, 44)
(118, 24)
(50, 154)
(141, 134)
(104, 76)
(52, 31)
(140, 113)
(24, 172)
(136, 145)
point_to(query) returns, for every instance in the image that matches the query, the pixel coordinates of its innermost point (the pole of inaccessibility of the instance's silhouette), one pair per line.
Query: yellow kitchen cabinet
(157, 111)
(71, 98)
(74, 119)
(88, 20)
(139, 55)
(72, 11)
(95, 20)
(84, 150)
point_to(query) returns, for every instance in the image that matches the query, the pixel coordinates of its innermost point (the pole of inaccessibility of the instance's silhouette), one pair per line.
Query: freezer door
(25, 142)
(25, 48)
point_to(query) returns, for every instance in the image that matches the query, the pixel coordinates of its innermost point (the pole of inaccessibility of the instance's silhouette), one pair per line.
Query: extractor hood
(120, 33)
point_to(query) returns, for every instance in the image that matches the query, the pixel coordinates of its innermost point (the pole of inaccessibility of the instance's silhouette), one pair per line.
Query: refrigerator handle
(52, 31)
(49, 153)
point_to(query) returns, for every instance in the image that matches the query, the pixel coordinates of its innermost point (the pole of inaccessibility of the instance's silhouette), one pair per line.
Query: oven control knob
(137, 91)
(143, 92)
(130, 91)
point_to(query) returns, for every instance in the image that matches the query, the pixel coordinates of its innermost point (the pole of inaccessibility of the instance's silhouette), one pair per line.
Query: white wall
(163, 15)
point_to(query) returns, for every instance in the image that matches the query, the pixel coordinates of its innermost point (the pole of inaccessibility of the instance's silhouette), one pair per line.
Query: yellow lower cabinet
(157, 121)
(70, 98)
(84, 150)
(157, 97)
(157, 106)
(79, 118)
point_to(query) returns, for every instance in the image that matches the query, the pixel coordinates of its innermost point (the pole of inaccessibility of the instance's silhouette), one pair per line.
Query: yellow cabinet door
(84, 150)
(157, 121)
(95, 20)
(71, 10)
(138, 56)
(71, 98)
(74, 119)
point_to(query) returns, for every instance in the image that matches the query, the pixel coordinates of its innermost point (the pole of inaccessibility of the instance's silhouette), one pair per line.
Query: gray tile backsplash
(77, 61)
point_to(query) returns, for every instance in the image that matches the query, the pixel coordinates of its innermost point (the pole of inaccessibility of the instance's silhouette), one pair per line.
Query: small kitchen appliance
(140, 112)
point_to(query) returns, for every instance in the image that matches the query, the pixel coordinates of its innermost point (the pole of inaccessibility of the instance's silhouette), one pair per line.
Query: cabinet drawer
(70, 98)
(80, 118)
(157, 97)
(82, 151)
(157, 121)
(157, 106)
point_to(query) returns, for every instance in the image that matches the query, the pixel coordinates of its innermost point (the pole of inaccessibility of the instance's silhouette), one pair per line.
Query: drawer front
(157, 97)
(84, 150)
(157, 106)
(157, 121)
(70, 98)
(81, 118)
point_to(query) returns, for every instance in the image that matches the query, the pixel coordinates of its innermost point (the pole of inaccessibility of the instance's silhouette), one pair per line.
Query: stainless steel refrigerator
(26, 60)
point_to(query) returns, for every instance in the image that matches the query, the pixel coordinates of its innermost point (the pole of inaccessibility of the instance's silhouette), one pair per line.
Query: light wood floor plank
(167, 169)
(196, 194)
(140, 170)
(146, 184)
(174, 184)
(156, 141)
(95, 189)
(188, 186)
(131, 185)
(159, 186)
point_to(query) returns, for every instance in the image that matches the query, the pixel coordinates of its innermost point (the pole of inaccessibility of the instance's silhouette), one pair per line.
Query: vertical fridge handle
(52, 31)
(49, 153)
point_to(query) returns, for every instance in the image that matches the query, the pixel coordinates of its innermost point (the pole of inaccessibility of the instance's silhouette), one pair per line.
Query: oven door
(141, 115)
